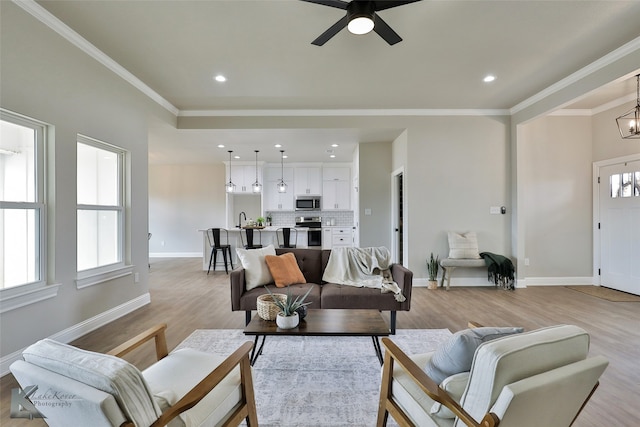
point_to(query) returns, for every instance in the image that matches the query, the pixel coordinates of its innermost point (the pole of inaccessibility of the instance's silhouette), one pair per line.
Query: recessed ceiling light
(236, 157)
(333, 156)
(220, 78)
(334, 145)
(489, 78)
(220, 145)
(278, 145)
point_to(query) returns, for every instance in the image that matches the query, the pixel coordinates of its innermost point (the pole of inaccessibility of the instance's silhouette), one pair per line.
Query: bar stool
(246, 235)
(213, 235)
(286, 237)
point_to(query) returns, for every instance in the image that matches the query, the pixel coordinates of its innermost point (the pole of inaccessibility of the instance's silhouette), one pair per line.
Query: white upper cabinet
(243, 177)
(336, 188)
(272, 200)
(336, 174)
(307, 181)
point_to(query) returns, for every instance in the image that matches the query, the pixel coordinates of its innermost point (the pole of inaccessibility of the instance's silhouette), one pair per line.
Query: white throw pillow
(256, 270)
(463, 245)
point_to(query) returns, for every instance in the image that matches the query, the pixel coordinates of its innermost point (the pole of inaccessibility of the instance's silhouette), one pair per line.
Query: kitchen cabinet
(336, 174)
(272, 200)
(243, 177)
(307, 181)
(336, 188)
(333, 237)
(336, 195)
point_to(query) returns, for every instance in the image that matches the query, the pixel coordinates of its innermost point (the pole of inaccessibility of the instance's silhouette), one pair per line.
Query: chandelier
(629, 122)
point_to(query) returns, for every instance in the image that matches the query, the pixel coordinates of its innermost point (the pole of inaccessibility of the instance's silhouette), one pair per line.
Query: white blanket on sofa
(362, 267)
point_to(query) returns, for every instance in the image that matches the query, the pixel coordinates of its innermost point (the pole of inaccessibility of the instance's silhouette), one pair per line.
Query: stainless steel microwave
(308, 203)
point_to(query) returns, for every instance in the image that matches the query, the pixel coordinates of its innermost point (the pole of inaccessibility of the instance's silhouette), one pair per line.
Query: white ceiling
(264, 49)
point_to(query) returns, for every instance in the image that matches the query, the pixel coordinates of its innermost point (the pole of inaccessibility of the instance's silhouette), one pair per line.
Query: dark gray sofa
(312, 263)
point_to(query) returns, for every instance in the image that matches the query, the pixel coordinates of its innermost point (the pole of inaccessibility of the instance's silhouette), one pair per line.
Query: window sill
(96, 278)
(20, 296)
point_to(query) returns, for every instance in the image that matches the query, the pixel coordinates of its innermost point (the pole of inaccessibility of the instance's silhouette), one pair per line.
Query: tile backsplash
(284, 219)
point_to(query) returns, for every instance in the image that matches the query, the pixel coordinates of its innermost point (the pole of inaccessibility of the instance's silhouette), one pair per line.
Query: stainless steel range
(314, 226)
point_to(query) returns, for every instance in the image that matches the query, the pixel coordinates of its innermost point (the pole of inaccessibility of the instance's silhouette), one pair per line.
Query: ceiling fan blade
(385, 31)
(332, 31)
(388, 4)
(331, 3)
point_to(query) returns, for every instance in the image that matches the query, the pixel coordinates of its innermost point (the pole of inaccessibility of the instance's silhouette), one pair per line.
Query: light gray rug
(315, 381)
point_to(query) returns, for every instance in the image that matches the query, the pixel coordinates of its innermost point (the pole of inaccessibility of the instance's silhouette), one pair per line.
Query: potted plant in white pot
(433, 264)
(288, 317)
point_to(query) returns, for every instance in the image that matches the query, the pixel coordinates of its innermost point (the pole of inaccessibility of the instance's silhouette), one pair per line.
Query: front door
(620, 226)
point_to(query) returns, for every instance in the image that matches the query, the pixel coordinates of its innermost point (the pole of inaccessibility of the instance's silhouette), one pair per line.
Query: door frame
(597, 256)
(395, 218)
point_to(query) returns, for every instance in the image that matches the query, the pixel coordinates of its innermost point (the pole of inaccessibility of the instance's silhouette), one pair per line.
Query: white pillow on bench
(463, 245)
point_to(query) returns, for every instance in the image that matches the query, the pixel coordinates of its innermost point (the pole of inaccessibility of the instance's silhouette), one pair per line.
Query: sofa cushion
(463, 245)
(256, 270)
(456, 354)
(348, 297)
(284, 269)
(175, 375)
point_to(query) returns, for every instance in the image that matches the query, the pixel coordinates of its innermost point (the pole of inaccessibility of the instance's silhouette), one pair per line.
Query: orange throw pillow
(284, 269)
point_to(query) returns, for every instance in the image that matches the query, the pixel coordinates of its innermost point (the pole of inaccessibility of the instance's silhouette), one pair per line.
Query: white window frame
(29, 293)
(104, 273)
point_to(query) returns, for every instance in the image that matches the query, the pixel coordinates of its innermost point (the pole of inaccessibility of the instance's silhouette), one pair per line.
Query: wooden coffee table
(327, 322)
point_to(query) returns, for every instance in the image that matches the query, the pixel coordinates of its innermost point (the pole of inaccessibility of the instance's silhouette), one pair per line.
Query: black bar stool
(247, 235)
(286, 237)
(213, 235)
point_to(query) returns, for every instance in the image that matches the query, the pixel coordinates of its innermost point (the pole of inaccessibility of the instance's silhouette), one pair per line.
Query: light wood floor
(187, 299)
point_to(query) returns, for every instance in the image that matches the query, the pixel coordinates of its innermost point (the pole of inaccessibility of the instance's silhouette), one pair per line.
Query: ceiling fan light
(360, 25)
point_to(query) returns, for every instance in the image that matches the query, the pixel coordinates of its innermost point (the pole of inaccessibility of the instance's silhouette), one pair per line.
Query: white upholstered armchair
(184, 388)
(531, 379)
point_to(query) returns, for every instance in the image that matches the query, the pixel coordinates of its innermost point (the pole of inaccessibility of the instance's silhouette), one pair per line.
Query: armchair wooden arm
(387, 405)
(244, 411)
(156, 332)
(240, 357)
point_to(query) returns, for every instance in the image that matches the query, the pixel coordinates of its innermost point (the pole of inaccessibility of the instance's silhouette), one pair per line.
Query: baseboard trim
(455, 281)
(556, 281)
(76, 331)
(175, 255)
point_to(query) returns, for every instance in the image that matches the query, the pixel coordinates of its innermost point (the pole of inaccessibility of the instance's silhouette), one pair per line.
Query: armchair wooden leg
(385, 391)
(247, 390)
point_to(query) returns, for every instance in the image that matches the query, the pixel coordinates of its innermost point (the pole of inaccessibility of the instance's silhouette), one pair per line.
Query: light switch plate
(494, 210)
(367, 211)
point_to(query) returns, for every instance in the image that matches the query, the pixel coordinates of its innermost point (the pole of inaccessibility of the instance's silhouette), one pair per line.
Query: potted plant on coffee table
(433, 264)
(288, 317)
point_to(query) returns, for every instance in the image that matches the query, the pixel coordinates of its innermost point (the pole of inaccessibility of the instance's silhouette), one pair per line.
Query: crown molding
(44, 16)
(596, 65)
(343, 112)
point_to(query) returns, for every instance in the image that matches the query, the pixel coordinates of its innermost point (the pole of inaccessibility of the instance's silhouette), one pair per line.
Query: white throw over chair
(184, 388)
(531, 379)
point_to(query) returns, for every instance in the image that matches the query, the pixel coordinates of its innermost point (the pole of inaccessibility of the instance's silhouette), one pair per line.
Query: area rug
(315, 381)
(606, 293)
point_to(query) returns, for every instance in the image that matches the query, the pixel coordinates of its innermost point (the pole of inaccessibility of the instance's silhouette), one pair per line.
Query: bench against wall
(450, 264)
(463, 252)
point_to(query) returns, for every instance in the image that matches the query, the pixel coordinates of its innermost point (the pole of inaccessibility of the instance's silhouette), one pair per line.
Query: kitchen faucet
(240, 219)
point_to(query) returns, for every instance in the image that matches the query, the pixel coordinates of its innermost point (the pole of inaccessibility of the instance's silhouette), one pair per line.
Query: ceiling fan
(361, 18)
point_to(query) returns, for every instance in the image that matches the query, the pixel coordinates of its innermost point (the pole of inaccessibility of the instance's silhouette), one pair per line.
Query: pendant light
(282, 186)
(629, 122)
(230, 187)
(256, 187)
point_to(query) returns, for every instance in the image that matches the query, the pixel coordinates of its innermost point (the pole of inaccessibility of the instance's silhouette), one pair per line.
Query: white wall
(556, 172)
(45, 77)
(607, 142)
(375, 194)
(183, 199)
(458, 167)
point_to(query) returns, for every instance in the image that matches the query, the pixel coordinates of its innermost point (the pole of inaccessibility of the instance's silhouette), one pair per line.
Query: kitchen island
(268, 238)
